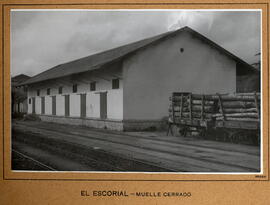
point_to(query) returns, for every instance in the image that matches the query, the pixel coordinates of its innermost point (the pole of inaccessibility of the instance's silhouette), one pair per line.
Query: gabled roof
(18, 79)
(95, 61)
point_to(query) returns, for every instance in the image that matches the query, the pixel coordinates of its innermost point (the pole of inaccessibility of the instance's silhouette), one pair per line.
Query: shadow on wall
(248, 83)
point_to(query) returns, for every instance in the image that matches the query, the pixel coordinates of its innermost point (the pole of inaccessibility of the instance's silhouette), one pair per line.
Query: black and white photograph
(147, 91)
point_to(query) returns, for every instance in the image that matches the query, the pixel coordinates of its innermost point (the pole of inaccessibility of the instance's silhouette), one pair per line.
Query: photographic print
(157, 102)
(148, 91)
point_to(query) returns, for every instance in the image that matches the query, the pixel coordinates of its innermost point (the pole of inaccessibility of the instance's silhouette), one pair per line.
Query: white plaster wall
(54, 91)
(25, 105)
(103, 85)
(48, 105)
(151, 75)
(42, 92)
(103, 81)
(75, 104)
(60, 105)
(31, 92)
(115, 104)
(38, 105)
(21, 107)
(93, 105)
(67, 89)
(83, 88)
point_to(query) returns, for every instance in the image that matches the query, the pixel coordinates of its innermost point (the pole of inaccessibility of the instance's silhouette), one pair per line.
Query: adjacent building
(19, 94)
(128, 87)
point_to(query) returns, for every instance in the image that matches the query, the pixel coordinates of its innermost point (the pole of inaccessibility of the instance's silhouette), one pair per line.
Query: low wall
(119, 125)
(144, 125)
(88, 122)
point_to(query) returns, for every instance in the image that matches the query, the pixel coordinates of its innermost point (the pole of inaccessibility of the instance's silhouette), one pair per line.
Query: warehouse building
(128, 87)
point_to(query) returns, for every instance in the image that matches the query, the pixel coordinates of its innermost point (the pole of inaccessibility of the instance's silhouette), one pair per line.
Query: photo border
(6, 88)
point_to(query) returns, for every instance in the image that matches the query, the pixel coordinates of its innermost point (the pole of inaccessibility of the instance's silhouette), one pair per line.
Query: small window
(60, 90)
(92, 86)
(29, 100)
(74, 88)
(38, 92)
(48, 91)
(115, 83)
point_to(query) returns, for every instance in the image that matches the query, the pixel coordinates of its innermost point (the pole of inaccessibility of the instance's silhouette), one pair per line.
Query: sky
(43, 39)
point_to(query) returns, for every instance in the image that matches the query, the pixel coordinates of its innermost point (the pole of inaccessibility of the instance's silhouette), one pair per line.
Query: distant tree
(258, 63)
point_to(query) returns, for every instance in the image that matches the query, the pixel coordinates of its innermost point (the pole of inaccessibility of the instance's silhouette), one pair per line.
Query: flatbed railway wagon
(232, 117)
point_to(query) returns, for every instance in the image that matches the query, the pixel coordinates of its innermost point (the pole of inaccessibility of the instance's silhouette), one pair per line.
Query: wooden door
(53, 105)
(33, 105)
(103, 105)
(83, 105)
(42, 105)
(66, 105)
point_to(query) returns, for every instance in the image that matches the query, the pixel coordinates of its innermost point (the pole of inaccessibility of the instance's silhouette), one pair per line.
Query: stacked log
(230, 97)
(195, 114)
(184, 106)
(233, 107)
(239, 107)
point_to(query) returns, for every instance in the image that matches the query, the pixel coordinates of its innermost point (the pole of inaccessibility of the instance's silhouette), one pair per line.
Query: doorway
(43, 105)
(103, 105)
(66, 105)
(33, 105)
(53, 105)
(83, 105)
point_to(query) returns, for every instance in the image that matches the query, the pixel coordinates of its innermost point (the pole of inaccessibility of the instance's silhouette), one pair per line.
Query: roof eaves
(158, 38)
(162, 36)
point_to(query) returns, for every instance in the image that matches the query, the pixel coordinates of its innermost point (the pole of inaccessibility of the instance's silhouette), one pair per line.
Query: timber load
(240, 111)
(190, 109)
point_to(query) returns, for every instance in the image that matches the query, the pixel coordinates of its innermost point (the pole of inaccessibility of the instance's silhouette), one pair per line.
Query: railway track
(207, 144)
(213, 163)
(33, 161)
(93, 158)
(184, 161)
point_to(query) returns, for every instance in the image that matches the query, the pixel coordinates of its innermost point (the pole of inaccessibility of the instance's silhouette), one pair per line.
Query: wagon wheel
(237, 136)
(183, 130)
(170, 129)
(255, 137)
(255, 140)
(202, 132)
(223, 135)
(245, 136)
